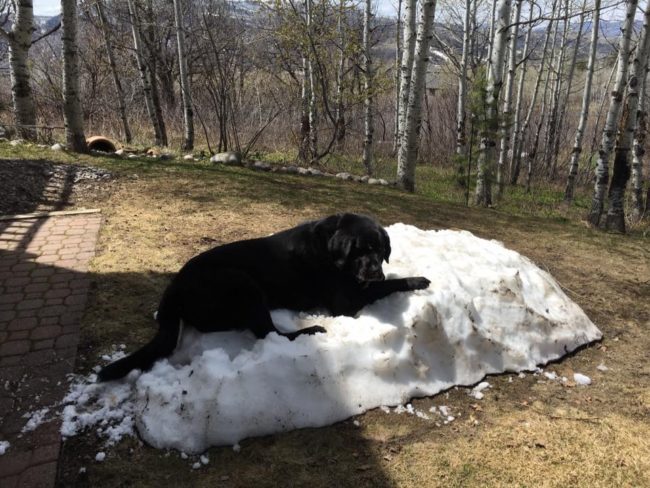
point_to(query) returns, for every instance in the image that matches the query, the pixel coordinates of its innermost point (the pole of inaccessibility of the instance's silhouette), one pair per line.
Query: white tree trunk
(142, 68)
(152, 63)
(569, 85)
(368, 89)
(609, 130)
(407, 156)
(461, 142)
(20, 40)
(507, 97)
(398, 63)
(340, 110)
(103, 24)
(552, 126)
(621, 171)
(638, 150)
(72, 114)
(490, 127)
(493, 21)
(532, 153)
(303, 151)
(186, 94)
(313, 137)
(406, 70)
(584, 112)
(516, 124)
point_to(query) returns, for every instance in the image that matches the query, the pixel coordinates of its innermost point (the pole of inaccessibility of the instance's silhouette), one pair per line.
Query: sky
(386, 8)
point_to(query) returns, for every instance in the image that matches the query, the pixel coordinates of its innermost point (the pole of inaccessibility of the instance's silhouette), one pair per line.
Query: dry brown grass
(527, 432)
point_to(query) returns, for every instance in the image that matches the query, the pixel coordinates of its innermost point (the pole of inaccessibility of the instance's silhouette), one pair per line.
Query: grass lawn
(525, 432)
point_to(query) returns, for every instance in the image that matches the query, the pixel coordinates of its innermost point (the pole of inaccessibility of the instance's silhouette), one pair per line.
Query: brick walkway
(43, 288)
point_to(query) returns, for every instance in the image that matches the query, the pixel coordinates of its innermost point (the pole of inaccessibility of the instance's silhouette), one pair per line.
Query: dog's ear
(385, 240)
(339, 247)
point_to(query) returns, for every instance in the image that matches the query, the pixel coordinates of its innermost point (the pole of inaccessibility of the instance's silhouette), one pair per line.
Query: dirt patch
(28, 186)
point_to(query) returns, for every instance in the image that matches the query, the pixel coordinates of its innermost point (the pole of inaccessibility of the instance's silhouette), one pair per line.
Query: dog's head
(357, 245)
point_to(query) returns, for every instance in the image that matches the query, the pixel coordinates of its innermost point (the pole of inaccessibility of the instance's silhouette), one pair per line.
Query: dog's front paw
(418, 283)
(316, 329)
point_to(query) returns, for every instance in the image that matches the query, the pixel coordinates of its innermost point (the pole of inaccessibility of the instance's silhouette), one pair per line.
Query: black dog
(332, 264)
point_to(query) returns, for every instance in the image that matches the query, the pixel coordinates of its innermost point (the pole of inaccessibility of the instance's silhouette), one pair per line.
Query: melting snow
(488, 310)
(581, 379)
(4, 446)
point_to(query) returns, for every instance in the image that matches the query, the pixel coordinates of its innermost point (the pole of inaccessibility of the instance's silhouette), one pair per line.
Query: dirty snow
(477, 391)
(488, 310)
(35, 419)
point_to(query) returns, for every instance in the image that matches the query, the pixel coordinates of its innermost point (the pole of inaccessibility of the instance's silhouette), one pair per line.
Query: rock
(303, 171)
(314, 172)
(57, 147)
(132, 156)
(344, 176)
(293, 170)
(383, 182)
(229, 157)
(166, 157)
(373, 181)
(365, 178)
(259, 165)
(188, 157)
(17, 142)
(119, 152)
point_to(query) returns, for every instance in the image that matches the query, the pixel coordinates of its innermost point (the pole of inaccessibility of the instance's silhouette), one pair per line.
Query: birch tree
(368, 88)
(407, 156)
(119, 91)
(490, 127)
(569, 85)
(313, 137)
(532, 153)
(609, 130)
(19, 39)
(72, 114)
(303, 150)
(621, 172)
(152, 51)
(515, 154)
(398, 63)
(584, 111)
(507, 97)
(461, 143)
(340, 109)
(638, 151)
(145, 79)
(552, 125)
(406, 69)
(186, 94)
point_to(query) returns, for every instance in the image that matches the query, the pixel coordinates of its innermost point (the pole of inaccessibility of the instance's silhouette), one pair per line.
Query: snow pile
(488, 310)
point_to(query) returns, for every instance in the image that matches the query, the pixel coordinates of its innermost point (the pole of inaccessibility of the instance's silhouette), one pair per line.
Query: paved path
(43, 289)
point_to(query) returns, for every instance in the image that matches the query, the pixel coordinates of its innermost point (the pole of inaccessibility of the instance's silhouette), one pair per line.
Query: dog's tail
(162, 345)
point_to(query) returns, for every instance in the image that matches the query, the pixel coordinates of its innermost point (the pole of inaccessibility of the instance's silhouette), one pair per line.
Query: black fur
(333, 264)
